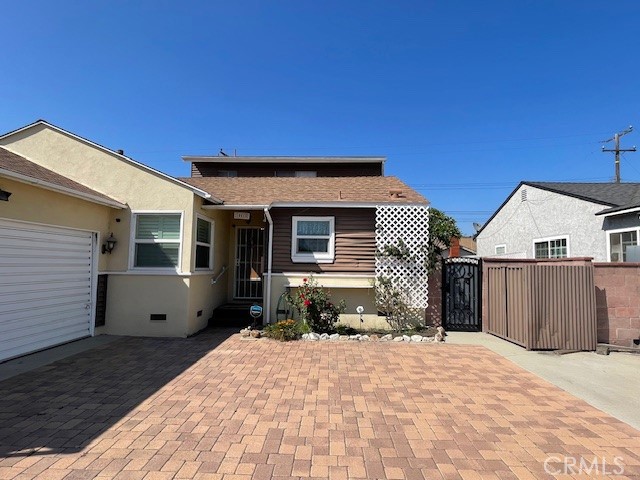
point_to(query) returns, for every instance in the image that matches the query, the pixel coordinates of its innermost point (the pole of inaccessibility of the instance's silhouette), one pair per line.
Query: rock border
(325, 337)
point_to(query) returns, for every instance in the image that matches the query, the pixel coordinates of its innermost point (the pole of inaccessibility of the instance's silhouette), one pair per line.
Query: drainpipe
(266, 316)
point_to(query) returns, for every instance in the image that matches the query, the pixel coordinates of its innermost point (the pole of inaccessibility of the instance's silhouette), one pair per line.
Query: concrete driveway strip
(215, 406)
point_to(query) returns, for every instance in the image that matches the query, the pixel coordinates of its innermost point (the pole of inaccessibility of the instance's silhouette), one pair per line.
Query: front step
(233, 315)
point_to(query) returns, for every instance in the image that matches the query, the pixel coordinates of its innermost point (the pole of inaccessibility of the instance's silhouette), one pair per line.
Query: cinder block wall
(618, 302)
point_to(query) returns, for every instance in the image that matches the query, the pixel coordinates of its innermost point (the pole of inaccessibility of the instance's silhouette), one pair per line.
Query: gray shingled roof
(611, 194)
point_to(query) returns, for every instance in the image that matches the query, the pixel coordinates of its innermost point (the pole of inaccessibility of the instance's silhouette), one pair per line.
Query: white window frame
(133, 241)
(196, 243)
(620, 230)
(318, 257)
(549, 239)
(502, 245)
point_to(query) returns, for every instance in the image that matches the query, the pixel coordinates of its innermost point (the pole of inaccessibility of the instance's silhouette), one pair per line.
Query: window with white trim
(313, 239)
(157, 240)
(204, 244)
(619, 242)
(501, 249)
(551, 248)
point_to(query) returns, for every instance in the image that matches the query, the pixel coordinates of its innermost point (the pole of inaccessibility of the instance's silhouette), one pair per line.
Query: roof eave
(286, 159)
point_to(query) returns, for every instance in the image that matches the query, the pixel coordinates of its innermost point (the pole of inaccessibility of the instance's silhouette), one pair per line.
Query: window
(297, 173)
(619, 243)
(312, 239)
(501, 249)
(156, 240)
(227, 173)
(551, 248)
(204, 241)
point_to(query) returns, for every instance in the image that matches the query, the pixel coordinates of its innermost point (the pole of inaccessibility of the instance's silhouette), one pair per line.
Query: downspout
(266, 316)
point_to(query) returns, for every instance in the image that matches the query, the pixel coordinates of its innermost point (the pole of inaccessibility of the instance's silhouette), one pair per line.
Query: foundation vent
(158, 317)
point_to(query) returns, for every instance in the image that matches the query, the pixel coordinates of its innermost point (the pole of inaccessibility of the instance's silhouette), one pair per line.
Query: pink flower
(304, 280)
(307, 303)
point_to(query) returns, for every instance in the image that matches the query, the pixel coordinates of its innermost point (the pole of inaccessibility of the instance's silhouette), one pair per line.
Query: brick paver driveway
(214, 406)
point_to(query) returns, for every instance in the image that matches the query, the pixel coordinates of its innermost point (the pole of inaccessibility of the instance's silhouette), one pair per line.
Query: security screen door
(249, 262)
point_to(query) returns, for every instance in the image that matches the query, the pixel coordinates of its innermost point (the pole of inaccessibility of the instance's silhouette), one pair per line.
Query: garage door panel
(41, 326)
(41, 341)
(69, 284)
(21, 309)
(45, 286)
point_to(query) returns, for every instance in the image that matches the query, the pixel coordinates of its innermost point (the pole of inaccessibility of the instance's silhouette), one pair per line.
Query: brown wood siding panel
(355, 240)
(206, 169)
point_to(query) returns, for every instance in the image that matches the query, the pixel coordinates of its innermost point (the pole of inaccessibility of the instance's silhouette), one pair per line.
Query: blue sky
(465, 98)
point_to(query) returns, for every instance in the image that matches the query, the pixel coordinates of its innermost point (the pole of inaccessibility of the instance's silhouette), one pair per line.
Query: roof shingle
(268, 190)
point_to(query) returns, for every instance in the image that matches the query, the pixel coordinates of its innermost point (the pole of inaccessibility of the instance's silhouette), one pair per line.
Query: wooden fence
(541, 304)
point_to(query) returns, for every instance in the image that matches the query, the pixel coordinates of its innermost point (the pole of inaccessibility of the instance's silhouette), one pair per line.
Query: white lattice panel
(409, 223)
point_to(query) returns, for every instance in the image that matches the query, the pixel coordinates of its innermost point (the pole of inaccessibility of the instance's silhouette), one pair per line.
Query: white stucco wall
(545, 215)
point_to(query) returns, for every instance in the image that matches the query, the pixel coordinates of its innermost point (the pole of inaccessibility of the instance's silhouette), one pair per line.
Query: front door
(249, 262)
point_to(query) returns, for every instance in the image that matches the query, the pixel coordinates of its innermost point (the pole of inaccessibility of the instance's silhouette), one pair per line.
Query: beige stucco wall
(29, 203)
(353, 290)
(131, 299)
(109, 174)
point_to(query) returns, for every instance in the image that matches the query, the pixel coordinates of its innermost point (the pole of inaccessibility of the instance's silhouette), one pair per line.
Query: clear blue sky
(465, 98)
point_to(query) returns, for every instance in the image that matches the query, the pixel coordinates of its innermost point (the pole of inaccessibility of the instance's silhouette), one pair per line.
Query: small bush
(285, 330)
(345, 329)
(314, 305)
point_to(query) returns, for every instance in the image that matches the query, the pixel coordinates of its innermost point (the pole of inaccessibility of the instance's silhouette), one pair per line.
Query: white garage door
(45, 287)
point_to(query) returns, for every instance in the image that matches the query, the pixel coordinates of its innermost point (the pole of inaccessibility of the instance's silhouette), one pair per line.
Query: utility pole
(617, 149)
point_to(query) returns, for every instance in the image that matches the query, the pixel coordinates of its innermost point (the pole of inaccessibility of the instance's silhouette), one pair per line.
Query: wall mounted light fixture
(109, 244)
(4, 195)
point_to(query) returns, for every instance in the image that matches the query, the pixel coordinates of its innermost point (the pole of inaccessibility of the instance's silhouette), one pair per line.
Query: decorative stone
(416, 338)
(406, 338)
(344, 338)
(398, 339)
(256, 333)
(245, 332)
(439, 338)
(314, 337)
(334, 337)
(441, 331)
(365, 338)
(386, 338)
(324, 336)
(374, 338)
(355, 337)
(305, 336)
(427, 339)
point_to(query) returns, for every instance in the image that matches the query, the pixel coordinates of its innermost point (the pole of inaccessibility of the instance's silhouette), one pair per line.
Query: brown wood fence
(541, 304)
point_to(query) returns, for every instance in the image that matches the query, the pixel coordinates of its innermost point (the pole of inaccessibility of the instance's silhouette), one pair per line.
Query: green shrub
(345, 329)
(285, 330)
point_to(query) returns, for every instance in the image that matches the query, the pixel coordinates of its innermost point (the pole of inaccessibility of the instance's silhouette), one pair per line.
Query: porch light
(109, 244)
(4, 195)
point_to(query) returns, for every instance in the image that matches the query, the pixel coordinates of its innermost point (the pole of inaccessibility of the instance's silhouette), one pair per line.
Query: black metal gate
(461, 294)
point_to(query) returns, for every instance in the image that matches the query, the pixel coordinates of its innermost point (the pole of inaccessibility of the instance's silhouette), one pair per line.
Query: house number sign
(241, 216)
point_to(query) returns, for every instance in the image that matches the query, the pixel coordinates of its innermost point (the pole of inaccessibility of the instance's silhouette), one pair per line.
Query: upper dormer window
(296, 173)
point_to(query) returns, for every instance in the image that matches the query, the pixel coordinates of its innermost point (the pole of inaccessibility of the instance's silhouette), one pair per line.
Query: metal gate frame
(474, 306)
(237, 265)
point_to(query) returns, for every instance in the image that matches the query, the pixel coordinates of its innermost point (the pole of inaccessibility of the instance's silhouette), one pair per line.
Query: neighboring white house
(558, 219)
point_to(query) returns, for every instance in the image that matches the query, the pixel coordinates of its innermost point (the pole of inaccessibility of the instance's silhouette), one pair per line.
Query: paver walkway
(218, 407)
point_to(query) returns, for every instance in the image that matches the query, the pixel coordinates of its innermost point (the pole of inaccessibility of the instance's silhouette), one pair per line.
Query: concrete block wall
(618, 302)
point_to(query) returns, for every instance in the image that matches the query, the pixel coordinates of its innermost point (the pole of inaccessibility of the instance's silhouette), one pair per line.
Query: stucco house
(92, 241)
(559, 219)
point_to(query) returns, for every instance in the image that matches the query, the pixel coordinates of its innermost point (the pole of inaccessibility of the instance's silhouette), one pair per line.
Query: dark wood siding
(355, 240)
(206, 169)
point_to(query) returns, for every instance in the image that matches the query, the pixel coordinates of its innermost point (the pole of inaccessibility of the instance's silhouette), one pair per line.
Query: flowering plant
(314, 305)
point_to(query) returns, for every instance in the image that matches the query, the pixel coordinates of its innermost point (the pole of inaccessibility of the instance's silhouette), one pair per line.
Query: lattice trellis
(409, 223)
